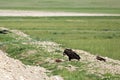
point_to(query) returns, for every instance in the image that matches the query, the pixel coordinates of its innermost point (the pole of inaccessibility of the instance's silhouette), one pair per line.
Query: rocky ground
(11, 69)
(95, 66)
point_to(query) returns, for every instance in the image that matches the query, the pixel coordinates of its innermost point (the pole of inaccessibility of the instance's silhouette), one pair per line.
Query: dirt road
(46, 13)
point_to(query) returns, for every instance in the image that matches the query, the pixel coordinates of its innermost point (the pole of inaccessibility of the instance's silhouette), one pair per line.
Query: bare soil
(46, 13)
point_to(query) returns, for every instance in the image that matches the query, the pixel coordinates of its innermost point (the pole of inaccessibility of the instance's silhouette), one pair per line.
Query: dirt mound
(11, 69)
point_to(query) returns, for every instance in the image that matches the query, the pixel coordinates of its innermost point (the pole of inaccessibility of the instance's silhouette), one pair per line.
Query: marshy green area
(91, 6)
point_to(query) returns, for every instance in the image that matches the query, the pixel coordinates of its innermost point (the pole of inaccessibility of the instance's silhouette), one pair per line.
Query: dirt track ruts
(47, 13)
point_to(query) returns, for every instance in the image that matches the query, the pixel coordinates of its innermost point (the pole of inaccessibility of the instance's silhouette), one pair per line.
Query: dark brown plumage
(4, 31)
(71, 54)
(58, 60)
(100, 58)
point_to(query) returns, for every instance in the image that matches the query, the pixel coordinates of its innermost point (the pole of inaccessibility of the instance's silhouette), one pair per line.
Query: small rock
(56, 78)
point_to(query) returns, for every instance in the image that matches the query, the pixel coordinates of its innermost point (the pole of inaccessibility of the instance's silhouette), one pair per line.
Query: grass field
(91, 6)
(98, 35)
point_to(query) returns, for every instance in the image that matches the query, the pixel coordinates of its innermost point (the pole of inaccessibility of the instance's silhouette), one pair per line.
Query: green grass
(98, 35)
(98, 6)
(16, 50)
